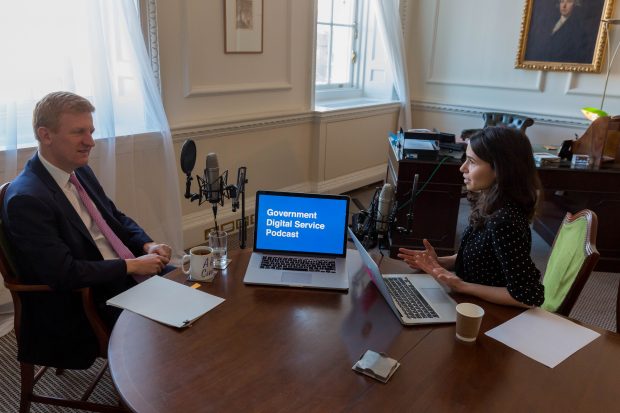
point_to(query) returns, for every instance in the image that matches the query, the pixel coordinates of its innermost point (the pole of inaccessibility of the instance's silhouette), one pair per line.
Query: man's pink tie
(115, 242)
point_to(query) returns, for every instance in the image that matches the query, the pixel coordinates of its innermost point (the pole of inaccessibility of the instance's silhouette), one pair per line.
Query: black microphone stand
(409, 228)
(214, 196)
(235, 192)
(414, 189)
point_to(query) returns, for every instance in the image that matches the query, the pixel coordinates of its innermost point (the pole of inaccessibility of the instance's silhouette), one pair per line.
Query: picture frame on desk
(563, 35)
(243, 26)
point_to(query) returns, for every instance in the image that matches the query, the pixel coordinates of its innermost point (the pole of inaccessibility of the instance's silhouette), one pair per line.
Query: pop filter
(188, 157)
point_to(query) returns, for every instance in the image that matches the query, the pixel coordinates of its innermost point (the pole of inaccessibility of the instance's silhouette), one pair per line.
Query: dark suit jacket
(53, 246)
(569, 44)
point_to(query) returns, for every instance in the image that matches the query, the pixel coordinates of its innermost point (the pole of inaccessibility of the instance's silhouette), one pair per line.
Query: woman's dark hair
(509, 153)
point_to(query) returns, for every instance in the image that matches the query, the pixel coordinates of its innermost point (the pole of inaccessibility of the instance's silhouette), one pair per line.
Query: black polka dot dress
(499, 255)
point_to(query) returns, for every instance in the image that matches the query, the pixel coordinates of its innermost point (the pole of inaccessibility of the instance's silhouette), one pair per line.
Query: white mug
(200, 264)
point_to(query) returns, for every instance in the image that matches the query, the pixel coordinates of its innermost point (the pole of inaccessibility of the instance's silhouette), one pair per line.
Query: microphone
(212, 175)
(386, 197)
(188, 160)
(212, 186)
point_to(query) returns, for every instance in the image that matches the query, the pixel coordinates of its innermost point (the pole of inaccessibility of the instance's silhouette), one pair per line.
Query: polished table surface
(272, 349)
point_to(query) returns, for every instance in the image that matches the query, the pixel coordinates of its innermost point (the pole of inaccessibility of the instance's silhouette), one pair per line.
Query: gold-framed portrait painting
(564, 35)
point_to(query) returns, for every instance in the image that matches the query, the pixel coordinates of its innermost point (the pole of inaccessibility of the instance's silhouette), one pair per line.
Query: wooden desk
(565, 189)
(571, 190)
(281, 349)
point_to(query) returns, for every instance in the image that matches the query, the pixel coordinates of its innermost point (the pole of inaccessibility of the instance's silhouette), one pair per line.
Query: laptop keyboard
(409, 298)
(298, 264)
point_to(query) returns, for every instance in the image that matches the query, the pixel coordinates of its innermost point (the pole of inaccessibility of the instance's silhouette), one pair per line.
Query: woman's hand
(409, 256)
(429, 264)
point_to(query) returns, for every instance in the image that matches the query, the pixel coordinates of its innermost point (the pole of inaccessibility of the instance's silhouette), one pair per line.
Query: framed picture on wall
(564, 35)
(243, 26)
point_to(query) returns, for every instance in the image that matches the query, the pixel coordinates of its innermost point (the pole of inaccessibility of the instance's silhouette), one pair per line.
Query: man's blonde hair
(48, 110)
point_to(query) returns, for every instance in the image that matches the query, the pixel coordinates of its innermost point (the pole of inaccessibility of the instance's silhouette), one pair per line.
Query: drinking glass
(218, 241)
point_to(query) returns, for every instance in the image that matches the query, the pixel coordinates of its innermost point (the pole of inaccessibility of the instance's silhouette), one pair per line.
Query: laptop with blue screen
(300, 240)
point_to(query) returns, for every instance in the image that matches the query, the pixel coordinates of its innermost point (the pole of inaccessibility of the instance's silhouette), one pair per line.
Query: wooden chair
(507, 120)
(28, 376)
(573, 257)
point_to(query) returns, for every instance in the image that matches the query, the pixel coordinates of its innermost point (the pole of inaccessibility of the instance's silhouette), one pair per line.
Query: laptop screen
(301, 223)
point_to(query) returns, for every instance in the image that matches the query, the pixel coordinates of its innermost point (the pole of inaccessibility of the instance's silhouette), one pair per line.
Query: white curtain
(93, 48)
(388, 22)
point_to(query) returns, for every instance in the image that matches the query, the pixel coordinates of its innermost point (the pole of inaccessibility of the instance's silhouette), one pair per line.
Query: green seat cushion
(565, 262)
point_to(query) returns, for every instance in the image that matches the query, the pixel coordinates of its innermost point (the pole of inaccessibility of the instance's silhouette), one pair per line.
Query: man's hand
(149, 264)
(163, 250)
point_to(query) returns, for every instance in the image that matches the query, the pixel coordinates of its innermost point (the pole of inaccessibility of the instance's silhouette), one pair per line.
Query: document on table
(543, 336)
(166, 301)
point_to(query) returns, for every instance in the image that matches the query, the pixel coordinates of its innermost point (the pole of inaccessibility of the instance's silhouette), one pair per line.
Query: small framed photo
(563, 35)
(243, 26)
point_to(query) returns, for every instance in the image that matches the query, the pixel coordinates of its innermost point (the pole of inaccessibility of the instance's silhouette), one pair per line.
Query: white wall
(254, 109)
(461, 57)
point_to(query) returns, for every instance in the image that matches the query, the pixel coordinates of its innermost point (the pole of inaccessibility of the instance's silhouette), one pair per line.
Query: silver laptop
(300, 240)
(414, 298)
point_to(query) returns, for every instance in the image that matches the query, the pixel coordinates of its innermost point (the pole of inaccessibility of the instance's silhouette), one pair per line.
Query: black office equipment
(420, 149)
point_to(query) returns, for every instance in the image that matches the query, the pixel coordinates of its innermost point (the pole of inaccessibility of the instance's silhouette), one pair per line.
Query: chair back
(508, 120)
(14, 284)
(7, 267)
(573, 257)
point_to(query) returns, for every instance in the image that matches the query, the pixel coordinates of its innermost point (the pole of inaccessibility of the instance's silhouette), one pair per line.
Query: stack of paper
(166, 301)
(543, 336)
(545, 158)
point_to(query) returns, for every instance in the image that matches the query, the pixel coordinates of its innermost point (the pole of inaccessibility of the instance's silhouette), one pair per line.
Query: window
(350, 61)
(337, 43)
(101, 63)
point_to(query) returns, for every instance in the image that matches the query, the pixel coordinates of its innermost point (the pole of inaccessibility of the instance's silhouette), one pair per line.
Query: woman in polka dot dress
(493, 261)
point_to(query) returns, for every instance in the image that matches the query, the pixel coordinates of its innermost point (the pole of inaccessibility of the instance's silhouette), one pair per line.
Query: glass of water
(218, 241)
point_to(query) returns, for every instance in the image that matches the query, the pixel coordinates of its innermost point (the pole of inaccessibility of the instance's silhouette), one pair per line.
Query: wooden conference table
(273, 349)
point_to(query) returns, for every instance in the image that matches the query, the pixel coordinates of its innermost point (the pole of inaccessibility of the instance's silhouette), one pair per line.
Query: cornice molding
(402, 8)
(195, 91)
(235, 126)
(556, 120)
(230, 126)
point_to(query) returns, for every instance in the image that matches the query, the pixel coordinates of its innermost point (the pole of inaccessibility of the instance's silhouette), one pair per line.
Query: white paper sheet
(543, 336)
(166, 301)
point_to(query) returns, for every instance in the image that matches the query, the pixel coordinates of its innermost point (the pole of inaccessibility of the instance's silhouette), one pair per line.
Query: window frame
(335, 91)
(333, 95)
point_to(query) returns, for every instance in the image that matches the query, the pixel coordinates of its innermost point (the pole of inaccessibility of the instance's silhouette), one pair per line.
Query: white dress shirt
(559, 24)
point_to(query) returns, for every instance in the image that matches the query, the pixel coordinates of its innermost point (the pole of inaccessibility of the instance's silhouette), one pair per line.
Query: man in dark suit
(58, 241)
